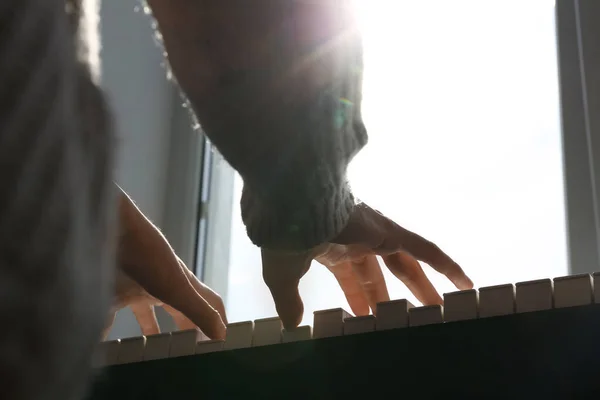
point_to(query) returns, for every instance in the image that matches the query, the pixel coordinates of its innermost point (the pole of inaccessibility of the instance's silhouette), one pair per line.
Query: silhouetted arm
(276, 86)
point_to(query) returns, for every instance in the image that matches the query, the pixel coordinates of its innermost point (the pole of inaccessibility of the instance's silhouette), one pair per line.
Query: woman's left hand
(149, 273)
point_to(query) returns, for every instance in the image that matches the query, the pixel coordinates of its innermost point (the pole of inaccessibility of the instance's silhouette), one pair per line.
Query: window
(462, 104)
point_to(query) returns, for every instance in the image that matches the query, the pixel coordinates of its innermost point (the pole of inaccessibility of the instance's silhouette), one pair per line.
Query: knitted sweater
(295, 192)
(276, 86)
(56, 204)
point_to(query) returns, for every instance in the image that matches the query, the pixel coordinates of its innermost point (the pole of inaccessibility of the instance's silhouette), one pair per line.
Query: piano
(530, 340)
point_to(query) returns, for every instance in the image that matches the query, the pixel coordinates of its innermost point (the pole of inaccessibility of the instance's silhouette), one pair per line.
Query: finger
(351, 287)
(190, 303)
(370, 277)
(409, 271)
(206, 292)
(193, 306)
(168, 282)
(282, 273)
(428, 252)
(148, 259)
(109, 324)
(146, 318)
(183, 323)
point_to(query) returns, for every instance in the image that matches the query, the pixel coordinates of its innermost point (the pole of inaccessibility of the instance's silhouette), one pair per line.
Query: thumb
(282, 273)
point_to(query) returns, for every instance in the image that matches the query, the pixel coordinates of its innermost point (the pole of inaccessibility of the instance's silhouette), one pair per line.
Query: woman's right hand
(352, 258)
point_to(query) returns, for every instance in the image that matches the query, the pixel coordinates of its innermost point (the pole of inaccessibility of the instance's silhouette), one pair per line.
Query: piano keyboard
(566, 306)
(538, 295)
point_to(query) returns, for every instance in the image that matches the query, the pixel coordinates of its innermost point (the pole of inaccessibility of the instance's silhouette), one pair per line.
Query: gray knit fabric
(55, 205)
(290, 141)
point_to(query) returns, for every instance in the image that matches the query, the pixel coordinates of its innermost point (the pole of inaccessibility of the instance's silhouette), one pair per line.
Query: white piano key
(209, 346)
(574, 290)
(157, 346)
(461, 305)
(426, 315)
(131, 350)
(106, 354)
(329, 323)
(239, 335)
(392, 314)
(183, 343)
(303, 332)
(534, 295)
(596, 283)
(497, 300)
(362, 324)
(267, 331)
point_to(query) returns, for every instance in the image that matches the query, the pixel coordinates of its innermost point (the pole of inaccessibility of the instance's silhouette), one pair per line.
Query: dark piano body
(552, 354)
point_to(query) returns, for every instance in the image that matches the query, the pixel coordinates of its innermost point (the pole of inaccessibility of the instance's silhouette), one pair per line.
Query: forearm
(277, 89)
(292, 155)
(297, 196)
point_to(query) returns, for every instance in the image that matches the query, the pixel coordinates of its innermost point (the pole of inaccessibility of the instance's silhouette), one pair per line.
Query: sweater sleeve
(290, 128)
(302, 198)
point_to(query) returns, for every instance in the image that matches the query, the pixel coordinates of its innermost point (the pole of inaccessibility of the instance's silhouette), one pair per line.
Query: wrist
(295, 223)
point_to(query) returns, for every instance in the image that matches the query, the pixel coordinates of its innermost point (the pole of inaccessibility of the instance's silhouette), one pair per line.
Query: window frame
(580, 130)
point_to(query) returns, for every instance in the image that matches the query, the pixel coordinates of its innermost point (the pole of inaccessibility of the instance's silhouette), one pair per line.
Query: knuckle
(426, 246)
(431, 247)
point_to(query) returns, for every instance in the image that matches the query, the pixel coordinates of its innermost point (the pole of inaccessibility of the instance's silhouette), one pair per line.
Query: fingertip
(221, 331)
(464, 283)
(216, 330)
(211, 324)
(291, 316)
(458, 277)
(288, 304)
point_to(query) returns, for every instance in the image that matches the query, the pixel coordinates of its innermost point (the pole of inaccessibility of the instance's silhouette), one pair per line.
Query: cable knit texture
(303, 199)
